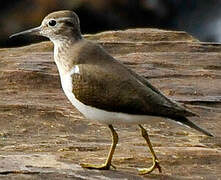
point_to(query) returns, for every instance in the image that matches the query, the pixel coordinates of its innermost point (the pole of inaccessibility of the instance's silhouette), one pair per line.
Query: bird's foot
(155, 165)
(98, 167)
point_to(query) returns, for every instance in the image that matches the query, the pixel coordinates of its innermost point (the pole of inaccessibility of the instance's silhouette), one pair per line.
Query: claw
(155, 165)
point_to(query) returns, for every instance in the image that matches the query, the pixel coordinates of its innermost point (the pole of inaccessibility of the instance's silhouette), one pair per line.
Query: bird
(102, 88)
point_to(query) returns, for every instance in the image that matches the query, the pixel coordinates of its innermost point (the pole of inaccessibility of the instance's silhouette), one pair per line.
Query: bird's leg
(107, 164)
(155, 160)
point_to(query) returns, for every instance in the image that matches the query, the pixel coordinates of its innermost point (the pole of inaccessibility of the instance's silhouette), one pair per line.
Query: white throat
(60, 55)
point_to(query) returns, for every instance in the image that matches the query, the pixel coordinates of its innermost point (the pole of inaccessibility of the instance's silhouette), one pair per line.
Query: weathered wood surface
(43, 137)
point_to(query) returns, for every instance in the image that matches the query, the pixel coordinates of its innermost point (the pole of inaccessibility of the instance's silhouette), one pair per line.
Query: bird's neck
(61, 55)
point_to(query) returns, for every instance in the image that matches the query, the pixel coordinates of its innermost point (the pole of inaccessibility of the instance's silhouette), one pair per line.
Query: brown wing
(96, 86)
(111, 87)
(107, 84)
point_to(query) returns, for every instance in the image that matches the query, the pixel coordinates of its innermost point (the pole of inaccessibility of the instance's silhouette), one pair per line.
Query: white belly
(102, 116)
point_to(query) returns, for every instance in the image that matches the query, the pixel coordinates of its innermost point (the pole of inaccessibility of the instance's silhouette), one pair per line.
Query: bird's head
(57, 26)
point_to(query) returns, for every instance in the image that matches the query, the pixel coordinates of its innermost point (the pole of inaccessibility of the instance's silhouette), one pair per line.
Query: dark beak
(34, 31)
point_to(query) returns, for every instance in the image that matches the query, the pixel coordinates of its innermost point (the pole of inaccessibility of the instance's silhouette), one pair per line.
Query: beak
(33, 31)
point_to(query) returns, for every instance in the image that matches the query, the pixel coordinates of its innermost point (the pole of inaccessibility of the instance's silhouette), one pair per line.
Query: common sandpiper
(102, 88)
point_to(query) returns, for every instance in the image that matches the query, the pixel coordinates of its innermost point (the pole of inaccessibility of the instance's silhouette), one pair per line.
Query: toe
(155, 165)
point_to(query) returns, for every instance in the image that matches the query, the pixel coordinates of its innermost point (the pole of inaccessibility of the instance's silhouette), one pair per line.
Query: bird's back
(106, 83)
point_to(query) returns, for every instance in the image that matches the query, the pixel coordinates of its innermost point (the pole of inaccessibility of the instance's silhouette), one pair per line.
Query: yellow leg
(155, 160)
(107, 164)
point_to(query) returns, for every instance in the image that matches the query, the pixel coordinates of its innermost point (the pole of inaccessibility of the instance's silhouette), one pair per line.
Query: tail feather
(187, 122)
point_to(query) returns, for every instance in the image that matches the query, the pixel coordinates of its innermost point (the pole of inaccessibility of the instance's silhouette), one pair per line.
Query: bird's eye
(52, 23)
